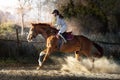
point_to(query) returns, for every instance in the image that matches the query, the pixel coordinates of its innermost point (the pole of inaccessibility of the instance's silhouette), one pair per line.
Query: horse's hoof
(38, 68)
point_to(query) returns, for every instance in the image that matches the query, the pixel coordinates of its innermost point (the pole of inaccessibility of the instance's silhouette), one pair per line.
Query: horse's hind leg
(93, 65)
(92, 59)
(77, 55)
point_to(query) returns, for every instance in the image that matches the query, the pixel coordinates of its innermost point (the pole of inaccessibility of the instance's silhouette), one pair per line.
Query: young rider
(61, 23)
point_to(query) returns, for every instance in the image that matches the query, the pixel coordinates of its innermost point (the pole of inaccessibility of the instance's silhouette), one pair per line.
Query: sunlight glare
(8, 5)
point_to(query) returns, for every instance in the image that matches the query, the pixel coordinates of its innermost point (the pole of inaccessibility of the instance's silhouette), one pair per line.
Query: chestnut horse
(79, 44)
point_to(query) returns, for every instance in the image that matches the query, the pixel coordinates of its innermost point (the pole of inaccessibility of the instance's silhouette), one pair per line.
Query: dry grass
(63, 68)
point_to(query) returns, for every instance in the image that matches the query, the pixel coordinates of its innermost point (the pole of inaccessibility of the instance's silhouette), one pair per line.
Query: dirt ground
(71, 70)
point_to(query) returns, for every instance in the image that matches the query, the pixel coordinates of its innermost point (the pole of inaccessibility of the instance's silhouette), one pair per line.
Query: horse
(80, 45)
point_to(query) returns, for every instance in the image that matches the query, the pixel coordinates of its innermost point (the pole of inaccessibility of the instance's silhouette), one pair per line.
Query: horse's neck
(51, 32)
(48, 32)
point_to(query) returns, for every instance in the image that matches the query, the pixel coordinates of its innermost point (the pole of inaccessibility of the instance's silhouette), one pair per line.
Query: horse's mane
(45, 26)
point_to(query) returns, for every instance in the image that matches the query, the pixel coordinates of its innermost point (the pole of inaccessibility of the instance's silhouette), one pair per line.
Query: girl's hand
(57, 36)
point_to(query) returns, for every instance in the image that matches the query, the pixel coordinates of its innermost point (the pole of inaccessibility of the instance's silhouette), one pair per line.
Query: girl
(61, 23)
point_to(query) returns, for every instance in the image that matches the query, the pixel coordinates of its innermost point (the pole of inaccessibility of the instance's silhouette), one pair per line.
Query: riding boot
(63, 38)
(59, 43)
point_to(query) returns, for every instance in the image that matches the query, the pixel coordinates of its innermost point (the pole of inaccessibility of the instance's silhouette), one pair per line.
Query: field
(66, 68)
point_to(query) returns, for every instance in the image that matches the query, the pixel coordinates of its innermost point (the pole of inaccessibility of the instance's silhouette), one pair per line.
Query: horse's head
(44, 29)
(32, 33)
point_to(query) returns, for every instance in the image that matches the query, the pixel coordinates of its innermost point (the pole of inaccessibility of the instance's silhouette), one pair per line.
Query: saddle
(68, 35)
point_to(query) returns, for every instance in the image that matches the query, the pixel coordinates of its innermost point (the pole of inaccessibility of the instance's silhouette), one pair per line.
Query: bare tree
(38, 7)
(44, 6)
(23, 7)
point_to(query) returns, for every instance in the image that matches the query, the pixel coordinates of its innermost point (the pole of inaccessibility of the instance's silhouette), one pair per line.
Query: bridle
(35, 32)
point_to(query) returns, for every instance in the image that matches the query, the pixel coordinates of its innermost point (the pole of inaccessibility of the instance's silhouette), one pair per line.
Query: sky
(8, 5)
(11, 5)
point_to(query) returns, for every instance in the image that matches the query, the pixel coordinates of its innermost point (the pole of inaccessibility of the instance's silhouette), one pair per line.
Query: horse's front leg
(40, 59)
(43, 57)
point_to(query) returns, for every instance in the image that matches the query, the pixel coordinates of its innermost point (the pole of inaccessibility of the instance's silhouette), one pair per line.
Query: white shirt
(61, 23)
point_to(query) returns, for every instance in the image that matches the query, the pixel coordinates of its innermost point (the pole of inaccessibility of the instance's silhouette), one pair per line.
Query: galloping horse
(79, 44)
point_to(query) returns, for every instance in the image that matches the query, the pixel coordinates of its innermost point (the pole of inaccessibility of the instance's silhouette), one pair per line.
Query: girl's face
(55, 14)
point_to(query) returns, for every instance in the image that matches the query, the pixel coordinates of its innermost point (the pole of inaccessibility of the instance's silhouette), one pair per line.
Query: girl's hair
(60, 16)
(57, 12)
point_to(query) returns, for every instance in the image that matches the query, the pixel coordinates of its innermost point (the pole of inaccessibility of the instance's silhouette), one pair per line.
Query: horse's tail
(99, 48)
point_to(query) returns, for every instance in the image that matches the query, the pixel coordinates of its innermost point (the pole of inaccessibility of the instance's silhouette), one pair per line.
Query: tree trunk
(22, 24)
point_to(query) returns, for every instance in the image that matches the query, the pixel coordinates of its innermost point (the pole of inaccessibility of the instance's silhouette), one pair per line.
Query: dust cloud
(74, 26)
(102, 65)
